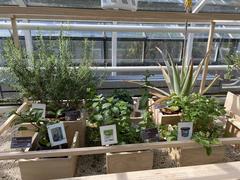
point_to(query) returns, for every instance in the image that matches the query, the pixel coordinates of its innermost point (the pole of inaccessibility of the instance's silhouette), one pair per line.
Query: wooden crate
(232, 104)
(9, 122)
(70, 128)
(129, 161)
(161, 119)
(232, 128)
(197, 156)
(136, 117)
(50, 168)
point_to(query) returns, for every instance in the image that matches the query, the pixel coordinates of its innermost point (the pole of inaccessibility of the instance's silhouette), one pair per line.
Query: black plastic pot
(185, 131)
(72, 115)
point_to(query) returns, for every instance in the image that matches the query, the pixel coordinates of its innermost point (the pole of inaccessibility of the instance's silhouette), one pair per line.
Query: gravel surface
(91, 164)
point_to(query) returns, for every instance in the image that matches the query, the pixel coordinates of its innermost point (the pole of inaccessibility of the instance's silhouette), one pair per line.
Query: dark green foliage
(92, 136)
(49, 74)
(143, 103)
(123, 95)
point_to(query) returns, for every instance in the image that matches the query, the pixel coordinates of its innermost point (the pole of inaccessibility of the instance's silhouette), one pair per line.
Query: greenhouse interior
(119, 89)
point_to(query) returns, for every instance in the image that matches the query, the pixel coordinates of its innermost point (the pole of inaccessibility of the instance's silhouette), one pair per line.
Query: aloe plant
(179, 82)
(182, 82)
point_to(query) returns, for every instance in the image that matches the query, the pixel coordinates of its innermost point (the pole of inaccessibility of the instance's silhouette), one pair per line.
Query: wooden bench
(221, 171)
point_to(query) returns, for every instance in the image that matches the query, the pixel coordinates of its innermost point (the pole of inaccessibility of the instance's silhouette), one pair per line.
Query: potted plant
(45, 168)
(112, 110)
(49, 76)
(203, 112)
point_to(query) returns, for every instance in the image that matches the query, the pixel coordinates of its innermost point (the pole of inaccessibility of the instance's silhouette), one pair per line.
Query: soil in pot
(72, 115)
(170, 110)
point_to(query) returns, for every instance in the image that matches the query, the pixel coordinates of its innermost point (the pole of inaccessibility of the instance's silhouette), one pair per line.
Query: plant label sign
(40, 107)
(185, 130)
(108, 135)
(150, 135)
(21, 142)
(57, 134)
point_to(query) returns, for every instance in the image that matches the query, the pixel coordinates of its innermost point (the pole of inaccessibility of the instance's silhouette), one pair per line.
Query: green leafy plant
(208, 139)
(146, 121)
(203, 112)
(143, 102)
(233, 62)
(122, 94)
(34, 117)
(49, 74)
(107, 111)
(168, 132)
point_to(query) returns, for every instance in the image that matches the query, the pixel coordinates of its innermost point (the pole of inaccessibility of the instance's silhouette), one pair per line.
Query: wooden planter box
(136, 117)
(197, 156)
(70, 128)
(129, 161)
(232, 128)
(160, 119)
(50, 168)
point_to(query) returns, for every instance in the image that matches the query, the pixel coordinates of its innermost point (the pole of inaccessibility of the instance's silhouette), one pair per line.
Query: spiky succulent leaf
(187, 86)
(167, 79)
(211, 84)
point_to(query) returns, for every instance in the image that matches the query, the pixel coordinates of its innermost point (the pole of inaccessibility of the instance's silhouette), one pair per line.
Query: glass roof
(219, 6)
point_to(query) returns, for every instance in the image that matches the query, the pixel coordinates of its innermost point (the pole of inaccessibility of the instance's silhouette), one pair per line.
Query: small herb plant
(168, 132)
(107, 111)
(147, 121)
(34, 117)
(203, 112)
(124, 95)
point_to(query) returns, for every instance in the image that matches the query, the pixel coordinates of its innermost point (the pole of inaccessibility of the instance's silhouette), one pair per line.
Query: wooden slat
(206, 63)
(102, 150)
(10, 120)
(221, 171)
(109, 15)
(15, 32)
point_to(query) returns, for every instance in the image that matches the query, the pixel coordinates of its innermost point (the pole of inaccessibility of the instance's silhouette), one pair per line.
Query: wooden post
(206, 63)
(10, 120)
(15, 32)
